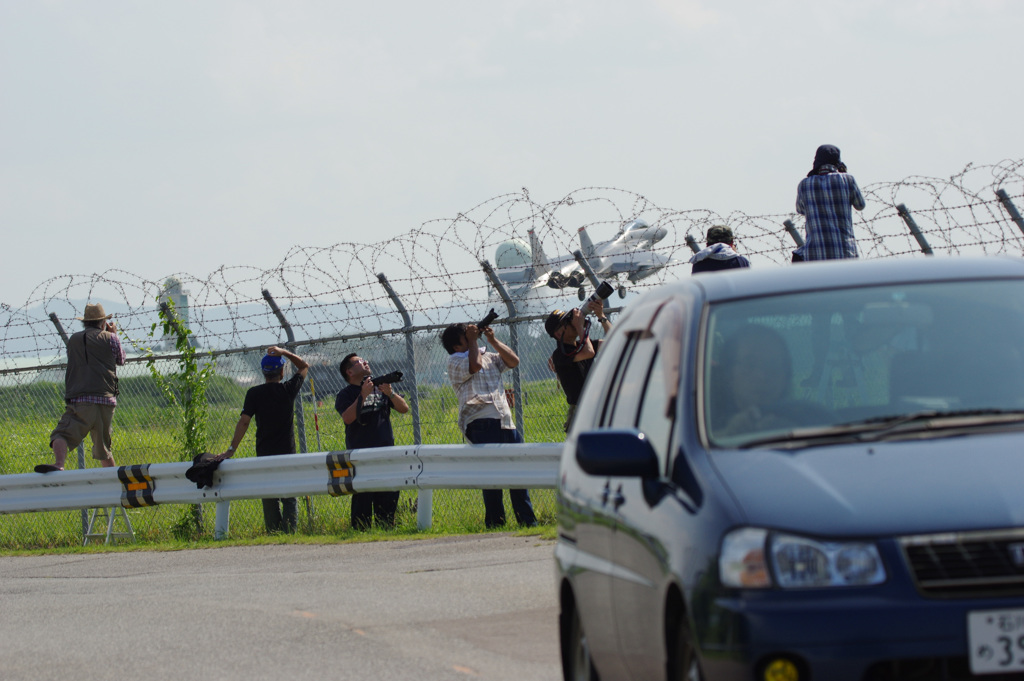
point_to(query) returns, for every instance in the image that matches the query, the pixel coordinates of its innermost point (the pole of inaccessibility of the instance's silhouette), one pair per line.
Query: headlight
(796, 562)
(801, 563)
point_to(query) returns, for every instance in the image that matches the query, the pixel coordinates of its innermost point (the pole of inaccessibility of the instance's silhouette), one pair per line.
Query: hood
(947, 484)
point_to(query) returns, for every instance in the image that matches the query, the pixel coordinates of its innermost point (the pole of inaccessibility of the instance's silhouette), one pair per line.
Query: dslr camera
(393, 377)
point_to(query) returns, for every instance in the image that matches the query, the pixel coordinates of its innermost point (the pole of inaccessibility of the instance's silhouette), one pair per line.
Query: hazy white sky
(180, 136)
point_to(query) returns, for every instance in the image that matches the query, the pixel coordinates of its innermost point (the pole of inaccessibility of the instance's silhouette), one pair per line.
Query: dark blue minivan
(805, 473)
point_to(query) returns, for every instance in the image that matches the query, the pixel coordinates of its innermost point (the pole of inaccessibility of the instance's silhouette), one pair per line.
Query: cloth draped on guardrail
(422, 467)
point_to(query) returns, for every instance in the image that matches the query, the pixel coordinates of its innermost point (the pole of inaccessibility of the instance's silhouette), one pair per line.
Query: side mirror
(617, 453)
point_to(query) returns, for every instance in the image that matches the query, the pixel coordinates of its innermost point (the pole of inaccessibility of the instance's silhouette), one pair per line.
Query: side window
(656, 414)
(627, 389)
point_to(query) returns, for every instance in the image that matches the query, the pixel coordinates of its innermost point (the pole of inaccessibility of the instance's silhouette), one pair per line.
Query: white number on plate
(996, 640)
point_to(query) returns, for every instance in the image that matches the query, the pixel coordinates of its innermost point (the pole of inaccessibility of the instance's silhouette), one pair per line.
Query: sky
(179, 137)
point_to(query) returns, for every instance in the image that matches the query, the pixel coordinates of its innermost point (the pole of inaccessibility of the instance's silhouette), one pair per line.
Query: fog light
(781, 670)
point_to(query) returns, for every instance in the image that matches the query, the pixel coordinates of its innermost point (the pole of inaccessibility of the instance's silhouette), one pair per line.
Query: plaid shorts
(81, 418)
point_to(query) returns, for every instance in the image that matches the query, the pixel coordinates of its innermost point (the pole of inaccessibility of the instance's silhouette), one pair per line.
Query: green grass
(145, 431)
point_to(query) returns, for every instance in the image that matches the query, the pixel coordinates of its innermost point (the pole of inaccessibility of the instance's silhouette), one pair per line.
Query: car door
(586, 522)
(644, 517)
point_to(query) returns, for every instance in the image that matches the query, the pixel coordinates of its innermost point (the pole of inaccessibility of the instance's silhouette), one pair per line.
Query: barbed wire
(436, 271)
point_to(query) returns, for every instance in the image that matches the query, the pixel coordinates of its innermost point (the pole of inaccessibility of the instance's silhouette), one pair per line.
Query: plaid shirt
(826, 201)
(480, 394)
(119, 359)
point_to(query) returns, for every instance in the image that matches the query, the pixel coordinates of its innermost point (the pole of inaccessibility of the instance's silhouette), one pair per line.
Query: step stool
(110, 514)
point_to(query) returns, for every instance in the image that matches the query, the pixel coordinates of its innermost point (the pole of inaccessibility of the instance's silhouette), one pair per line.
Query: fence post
(300, 421)
(424, 498)
(81, 445)
(793, 233)
(585, 266)
(517, 386)
(1004, 199)
(692, 243)
(914, 229)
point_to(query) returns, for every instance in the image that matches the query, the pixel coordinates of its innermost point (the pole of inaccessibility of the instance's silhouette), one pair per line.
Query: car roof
(812, 276)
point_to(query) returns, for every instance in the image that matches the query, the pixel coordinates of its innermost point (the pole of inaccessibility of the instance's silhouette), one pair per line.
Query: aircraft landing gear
(581, 293)
(622, 291)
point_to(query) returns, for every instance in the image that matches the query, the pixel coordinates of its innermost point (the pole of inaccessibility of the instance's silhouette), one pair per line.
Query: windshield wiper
(879, 427)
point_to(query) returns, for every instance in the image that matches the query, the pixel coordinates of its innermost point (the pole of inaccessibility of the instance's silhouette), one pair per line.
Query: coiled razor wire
(436, 270)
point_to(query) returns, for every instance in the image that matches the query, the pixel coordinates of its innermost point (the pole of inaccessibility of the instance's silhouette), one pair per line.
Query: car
(811, 472)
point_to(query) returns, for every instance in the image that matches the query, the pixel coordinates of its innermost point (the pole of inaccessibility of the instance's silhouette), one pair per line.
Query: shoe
(47, 468)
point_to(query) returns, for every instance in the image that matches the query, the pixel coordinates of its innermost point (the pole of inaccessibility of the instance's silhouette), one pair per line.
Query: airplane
(628, 252)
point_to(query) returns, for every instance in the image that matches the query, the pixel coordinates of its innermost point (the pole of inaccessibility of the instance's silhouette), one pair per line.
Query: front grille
(967, 564)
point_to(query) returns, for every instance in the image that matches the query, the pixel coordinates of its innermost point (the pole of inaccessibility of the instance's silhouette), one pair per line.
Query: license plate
(996, 641)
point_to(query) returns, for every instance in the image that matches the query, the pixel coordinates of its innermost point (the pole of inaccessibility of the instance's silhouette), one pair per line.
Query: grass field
(146, 430)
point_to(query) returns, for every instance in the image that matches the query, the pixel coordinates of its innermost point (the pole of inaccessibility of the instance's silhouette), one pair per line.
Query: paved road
(439, 609)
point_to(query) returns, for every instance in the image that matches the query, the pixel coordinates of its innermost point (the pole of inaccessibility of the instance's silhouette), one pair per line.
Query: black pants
(379, 505)
(281, 515)
(489, 431)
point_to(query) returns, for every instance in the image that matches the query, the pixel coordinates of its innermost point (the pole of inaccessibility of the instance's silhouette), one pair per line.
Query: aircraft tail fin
(586, 245)
(539, 260)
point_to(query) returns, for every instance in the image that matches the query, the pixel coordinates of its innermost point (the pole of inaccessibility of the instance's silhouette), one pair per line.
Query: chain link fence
(388, 302)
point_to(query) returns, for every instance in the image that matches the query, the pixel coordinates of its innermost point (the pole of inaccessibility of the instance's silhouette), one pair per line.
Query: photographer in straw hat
(90, 389)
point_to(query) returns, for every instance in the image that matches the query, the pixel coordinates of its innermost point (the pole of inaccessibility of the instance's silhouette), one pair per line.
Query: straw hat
(94, 313)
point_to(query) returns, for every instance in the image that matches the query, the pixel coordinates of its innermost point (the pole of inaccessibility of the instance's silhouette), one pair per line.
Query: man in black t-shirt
(366, 411)
(273, 406)
(575, 352)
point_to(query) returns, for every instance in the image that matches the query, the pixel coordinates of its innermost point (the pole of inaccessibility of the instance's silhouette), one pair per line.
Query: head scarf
(826, 160)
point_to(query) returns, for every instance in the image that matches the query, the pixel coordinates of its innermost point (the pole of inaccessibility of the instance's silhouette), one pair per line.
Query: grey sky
(181, 136)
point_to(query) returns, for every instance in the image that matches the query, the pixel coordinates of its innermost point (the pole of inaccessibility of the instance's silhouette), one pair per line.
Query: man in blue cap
(273, 406)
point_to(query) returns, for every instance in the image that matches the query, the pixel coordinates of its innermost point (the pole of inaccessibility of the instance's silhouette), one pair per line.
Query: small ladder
(110, 514)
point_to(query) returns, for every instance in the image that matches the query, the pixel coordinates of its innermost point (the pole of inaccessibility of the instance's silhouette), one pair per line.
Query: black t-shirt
(572, 374)
(372, 427)
(273, 407)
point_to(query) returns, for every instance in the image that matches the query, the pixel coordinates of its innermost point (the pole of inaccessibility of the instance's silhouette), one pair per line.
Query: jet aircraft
(524, 267)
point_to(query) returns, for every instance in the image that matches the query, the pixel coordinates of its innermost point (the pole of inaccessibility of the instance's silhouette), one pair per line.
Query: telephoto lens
(486, 321)
(393, 377)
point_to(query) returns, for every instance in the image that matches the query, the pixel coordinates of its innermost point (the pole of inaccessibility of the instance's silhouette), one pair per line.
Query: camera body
(486, 321)
(393, 377)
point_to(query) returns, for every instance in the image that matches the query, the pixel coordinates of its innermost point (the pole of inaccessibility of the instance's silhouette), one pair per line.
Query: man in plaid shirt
(484, 414)
(90, 390)
(825, 198)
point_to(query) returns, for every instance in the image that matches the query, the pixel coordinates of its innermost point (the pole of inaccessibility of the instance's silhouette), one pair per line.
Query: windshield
(810, 365)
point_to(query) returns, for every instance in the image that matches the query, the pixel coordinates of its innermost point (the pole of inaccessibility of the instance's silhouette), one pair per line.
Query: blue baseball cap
(271, 364)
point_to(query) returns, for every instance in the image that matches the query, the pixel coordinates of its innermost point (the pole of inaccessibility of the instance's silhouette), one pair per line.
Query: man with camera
(575, 351)
(484, 413)
(365, 406)
(90, 390)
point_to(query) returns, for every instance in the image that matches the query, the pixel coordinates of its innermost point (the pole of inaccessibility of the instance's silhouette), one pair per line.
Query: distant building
(174, 294)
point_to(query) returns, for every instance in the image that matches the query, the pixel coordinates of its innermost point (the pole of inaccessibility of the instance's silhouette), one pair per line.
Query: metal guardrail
(423, 467)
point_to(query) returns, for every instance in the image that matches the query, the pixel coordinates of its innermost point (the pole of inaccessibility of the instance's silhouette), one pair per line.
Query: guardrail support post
(914, 229)
(1004, 199)
(513, 326)
(81, 445)
(793, 233)
(424, 498)
(221, 520)
(300, 421)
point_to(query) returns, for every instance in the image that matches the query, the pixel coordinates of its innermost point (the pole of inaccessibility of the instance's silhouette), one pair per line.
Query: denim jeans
(489, 431)
(283, 518)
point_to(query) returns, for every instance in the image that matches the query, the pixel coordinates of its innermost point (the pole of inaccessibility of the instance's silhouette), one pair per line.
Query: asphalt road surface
(480, 607)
